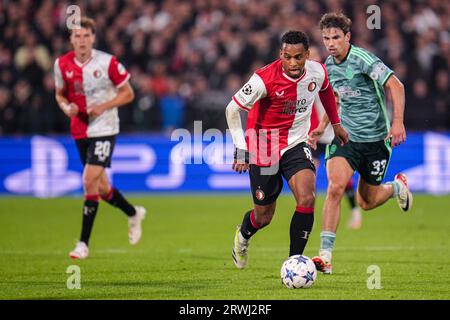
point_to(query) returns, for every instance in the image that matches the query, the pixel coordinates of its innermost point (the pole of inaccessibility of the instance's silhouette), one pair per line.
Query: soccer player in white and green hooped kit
(360, 78)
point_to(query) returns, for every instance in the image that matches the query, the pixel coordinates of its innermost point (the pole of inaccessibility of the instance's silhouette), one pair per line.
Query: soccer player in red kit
(279, 98)
(90, 86)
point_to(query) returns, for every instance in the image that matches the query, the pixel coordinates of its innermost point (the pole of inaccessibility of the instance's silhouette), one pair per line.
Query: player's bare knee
(307, 201)
(103, 190)
(89, 181)
(364, 204)
(104, 187)
(336, 190)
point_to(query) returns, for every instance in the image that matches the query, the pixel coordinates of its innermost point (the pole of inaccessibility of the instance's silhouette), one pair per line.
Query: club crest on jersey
(259, 194)
(312, 86)
(247, 89)
(69, 74)
(333, 149)
(349, 73)
(97, 74)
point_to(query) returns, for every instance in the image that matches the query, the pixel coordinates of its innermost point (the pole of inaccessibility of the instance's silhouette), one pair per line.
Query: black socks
(301, 226)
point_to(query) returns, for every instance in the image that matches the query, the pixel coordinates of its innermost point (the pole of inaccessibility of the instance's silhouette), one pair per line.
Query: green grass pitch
(185, 252)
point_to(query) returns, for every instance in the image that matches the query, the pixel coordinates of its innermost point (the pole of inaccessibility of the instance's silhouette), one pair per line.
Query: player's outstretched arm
(125, 94)
(241, 159)
(397, 134)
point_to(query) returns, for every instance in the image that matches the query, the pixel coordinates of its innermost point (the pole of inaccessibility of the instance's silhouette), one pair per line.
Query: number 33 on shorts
(378, 167)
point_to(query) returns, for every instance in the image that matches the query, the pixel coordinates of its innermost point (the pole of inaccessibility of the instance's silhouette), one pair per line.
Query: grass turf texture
(185, 252)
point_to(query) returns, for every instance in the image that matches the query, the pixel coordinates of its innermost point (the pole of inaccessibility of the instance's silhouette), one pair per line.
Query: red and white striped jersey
(90, 83)
(279, 108)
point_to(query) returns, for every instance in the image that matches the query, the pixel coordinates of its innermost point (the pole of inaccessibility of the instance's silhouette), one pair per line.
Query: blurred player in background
(360, 78)
(90, 86)
(318, 150)
(278, 98)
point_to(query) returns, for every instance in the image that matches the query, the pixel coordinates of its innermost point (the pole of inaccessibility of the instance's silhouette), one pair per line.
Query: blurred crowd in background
(187, 58)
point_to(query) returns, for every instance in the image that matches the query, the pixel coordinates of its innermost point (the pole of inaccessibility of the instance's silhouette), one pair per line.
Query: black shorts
(267, 182)
(370, 159)
(320, 150)
(97, 151)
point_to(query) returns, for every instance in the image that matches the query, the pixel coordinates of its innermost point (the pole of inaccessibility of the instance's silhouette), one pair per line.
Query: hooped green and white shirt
(359, 80)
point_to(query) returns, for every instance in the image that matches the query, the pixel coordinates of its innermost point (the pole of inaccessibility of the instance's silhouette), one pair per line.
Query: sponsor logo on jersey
(348, 92)
(279, 94)
(293, 107)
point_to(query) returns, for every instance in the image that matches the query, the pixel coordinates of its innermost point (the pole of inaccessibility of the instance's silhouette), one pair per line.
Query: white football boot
(134, 225)
(323, 262)
(355, 221)
(240, 248)
(81, 251)
(404, 197)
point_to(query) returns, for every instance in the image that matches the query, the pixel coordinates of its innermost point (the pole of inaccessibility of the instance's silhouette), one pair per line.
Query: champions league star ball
(298, 272)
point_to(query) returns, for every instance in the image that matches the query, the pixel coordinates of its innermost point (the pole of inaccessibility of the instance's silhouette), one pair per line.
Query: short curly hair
(295, 37)
(335, 20)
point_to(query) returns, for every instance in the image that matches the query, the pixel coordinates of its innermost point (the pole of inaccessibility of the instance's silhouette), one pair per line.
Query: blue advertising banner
(50, 167)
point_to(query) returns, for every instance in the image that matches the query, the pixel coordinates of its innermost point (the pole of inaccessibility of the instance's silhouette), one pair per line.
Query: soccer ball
(298, 272)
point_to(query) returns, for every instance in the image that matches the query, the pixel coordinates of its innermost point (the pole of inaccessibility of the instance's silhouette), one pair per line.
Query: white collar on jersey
(81, 65)
(295, 79)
